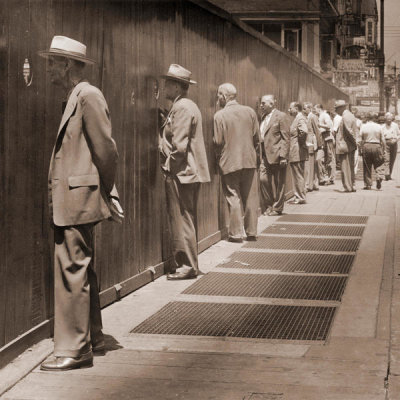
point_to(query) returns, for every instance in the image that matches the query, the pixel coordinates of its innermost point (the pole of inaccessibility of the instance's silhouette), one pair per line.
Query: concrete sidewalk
(359, 360)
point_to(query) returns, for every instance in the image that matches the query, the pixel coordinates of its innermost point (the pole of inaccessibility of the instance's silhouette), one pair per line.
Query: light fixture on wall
(27, 73)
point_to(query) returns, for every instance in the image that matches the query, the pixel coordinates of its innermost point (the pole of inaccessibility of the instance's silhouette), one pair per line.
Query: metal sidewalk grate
(315, 230)
(304, 243)
(240, 320)
(291, 262)
(329, 219)
(269, 286)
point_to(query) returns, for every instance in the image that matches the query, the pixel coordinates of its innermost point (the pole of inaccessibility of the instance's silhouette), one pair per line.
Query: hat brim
(174, 78)
(47, 54)
(341, 105)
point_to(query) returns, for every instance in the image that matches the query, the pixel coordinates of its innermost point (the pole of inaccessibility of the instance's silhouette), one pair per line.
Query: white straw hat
(65, 47)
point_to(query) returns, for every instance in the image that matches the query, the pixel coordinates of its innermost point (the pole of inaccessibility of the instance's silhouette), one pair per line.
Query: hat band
(178, 77)
(67, 52)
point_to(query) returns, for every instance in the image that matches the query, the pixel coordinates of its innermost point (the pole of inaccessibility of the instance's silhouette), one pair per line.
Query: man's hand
(283, 162)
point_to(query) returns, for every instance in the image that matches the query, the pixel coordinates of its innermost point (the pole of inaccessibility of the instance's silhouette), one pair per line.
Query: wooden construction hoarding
(134, 43)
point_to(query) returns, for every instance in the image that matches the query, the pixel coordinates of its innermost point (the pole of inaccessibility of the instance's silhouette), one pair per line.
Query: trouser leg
(352, 169)
(356, 160)
(309, 172)
(181, 206)
(231, 188)
(392, 155)
(367, 166)
(318, 164)
(72, 304)
(267, 189)
(376, 161)
(320, 170)
(96, 324)
(249, 195)
(346, 168)
(279, 177)
(299, 188)
(330, 160)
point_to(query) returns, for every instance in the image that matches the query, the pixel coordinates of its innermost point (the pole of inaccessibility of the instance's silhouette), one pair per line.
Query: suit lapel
(71, 104)
(271, 121)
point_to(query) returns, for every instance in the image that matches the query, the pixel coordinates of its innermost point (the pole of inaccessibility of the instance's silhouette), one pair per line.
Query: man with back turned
(236, 140)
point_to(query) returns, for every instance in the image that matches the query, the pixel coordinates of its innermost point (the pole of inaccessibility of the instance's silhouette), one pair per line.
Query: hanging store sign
(353, 65)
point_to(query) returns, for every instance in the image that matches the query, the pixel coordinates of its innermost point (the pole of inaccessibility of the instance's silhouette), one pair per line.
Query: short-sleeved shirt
(371, 132)
(391, 132)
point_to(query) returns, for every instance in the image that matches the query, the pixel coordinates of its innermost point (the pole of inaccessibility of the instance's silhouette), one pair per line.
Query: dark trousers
(330, 160)
(241, 193)
(372, 157)
(347, 171)
(391, 149)
(77, 315)
(272, 186)
(181, 207)
(299, 185)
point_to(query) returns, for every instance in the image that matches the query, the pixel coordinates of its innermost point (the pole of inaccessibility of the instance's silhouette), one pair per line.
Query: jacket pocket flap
(83, 180)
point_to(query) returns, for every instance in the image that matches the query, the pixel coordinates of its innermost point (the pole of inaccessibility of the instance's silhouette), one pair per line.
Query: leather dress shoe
(378, 183)
(99, 349)
(251, 238)
(235, 240)
(68, 363)
(177, 276)
(275, 213)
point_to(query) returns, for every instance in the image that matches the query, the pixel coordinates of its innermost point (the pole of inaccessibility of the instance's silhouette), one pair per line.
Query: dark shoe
(251, 238)
(378, 183)
(235, 240)
(99, 349)
(387, 177)
(68, 363)
(354, 190)
(330, 183)
(275, 213)
(367, 188)
(322, 183)
(316, 188)
(177, 276)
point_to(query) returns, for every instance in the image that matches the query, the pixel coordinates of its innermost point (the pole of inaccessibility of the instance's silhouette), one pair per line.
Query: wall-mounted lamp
(27, 73)
(156, 89)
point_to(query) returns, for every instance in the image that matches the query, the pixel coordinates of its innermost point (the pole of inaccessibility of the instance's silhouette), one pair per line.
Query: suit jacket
(347, 133)
(276, 143)
(298, 136)
(313, 129)
(236, 137)
(182, 146)
(84, 160)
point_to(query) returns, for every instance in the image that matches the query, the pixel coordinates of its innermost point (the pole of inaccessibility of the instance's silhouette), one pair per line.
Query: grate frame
(319, 218)
(297, 287)
(315, 230)
(305, 243)
(256, 321)
(291, 262)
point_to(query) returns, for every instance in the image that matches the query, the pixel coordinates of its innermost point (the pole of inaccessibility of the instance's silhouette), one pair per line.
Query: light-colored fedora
(178, 73)
(340, 103)
(63, 46)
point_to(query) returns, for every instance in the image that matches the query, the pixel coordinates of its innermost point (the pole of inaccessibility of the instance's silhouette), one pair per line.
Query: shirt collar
(231, 103)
